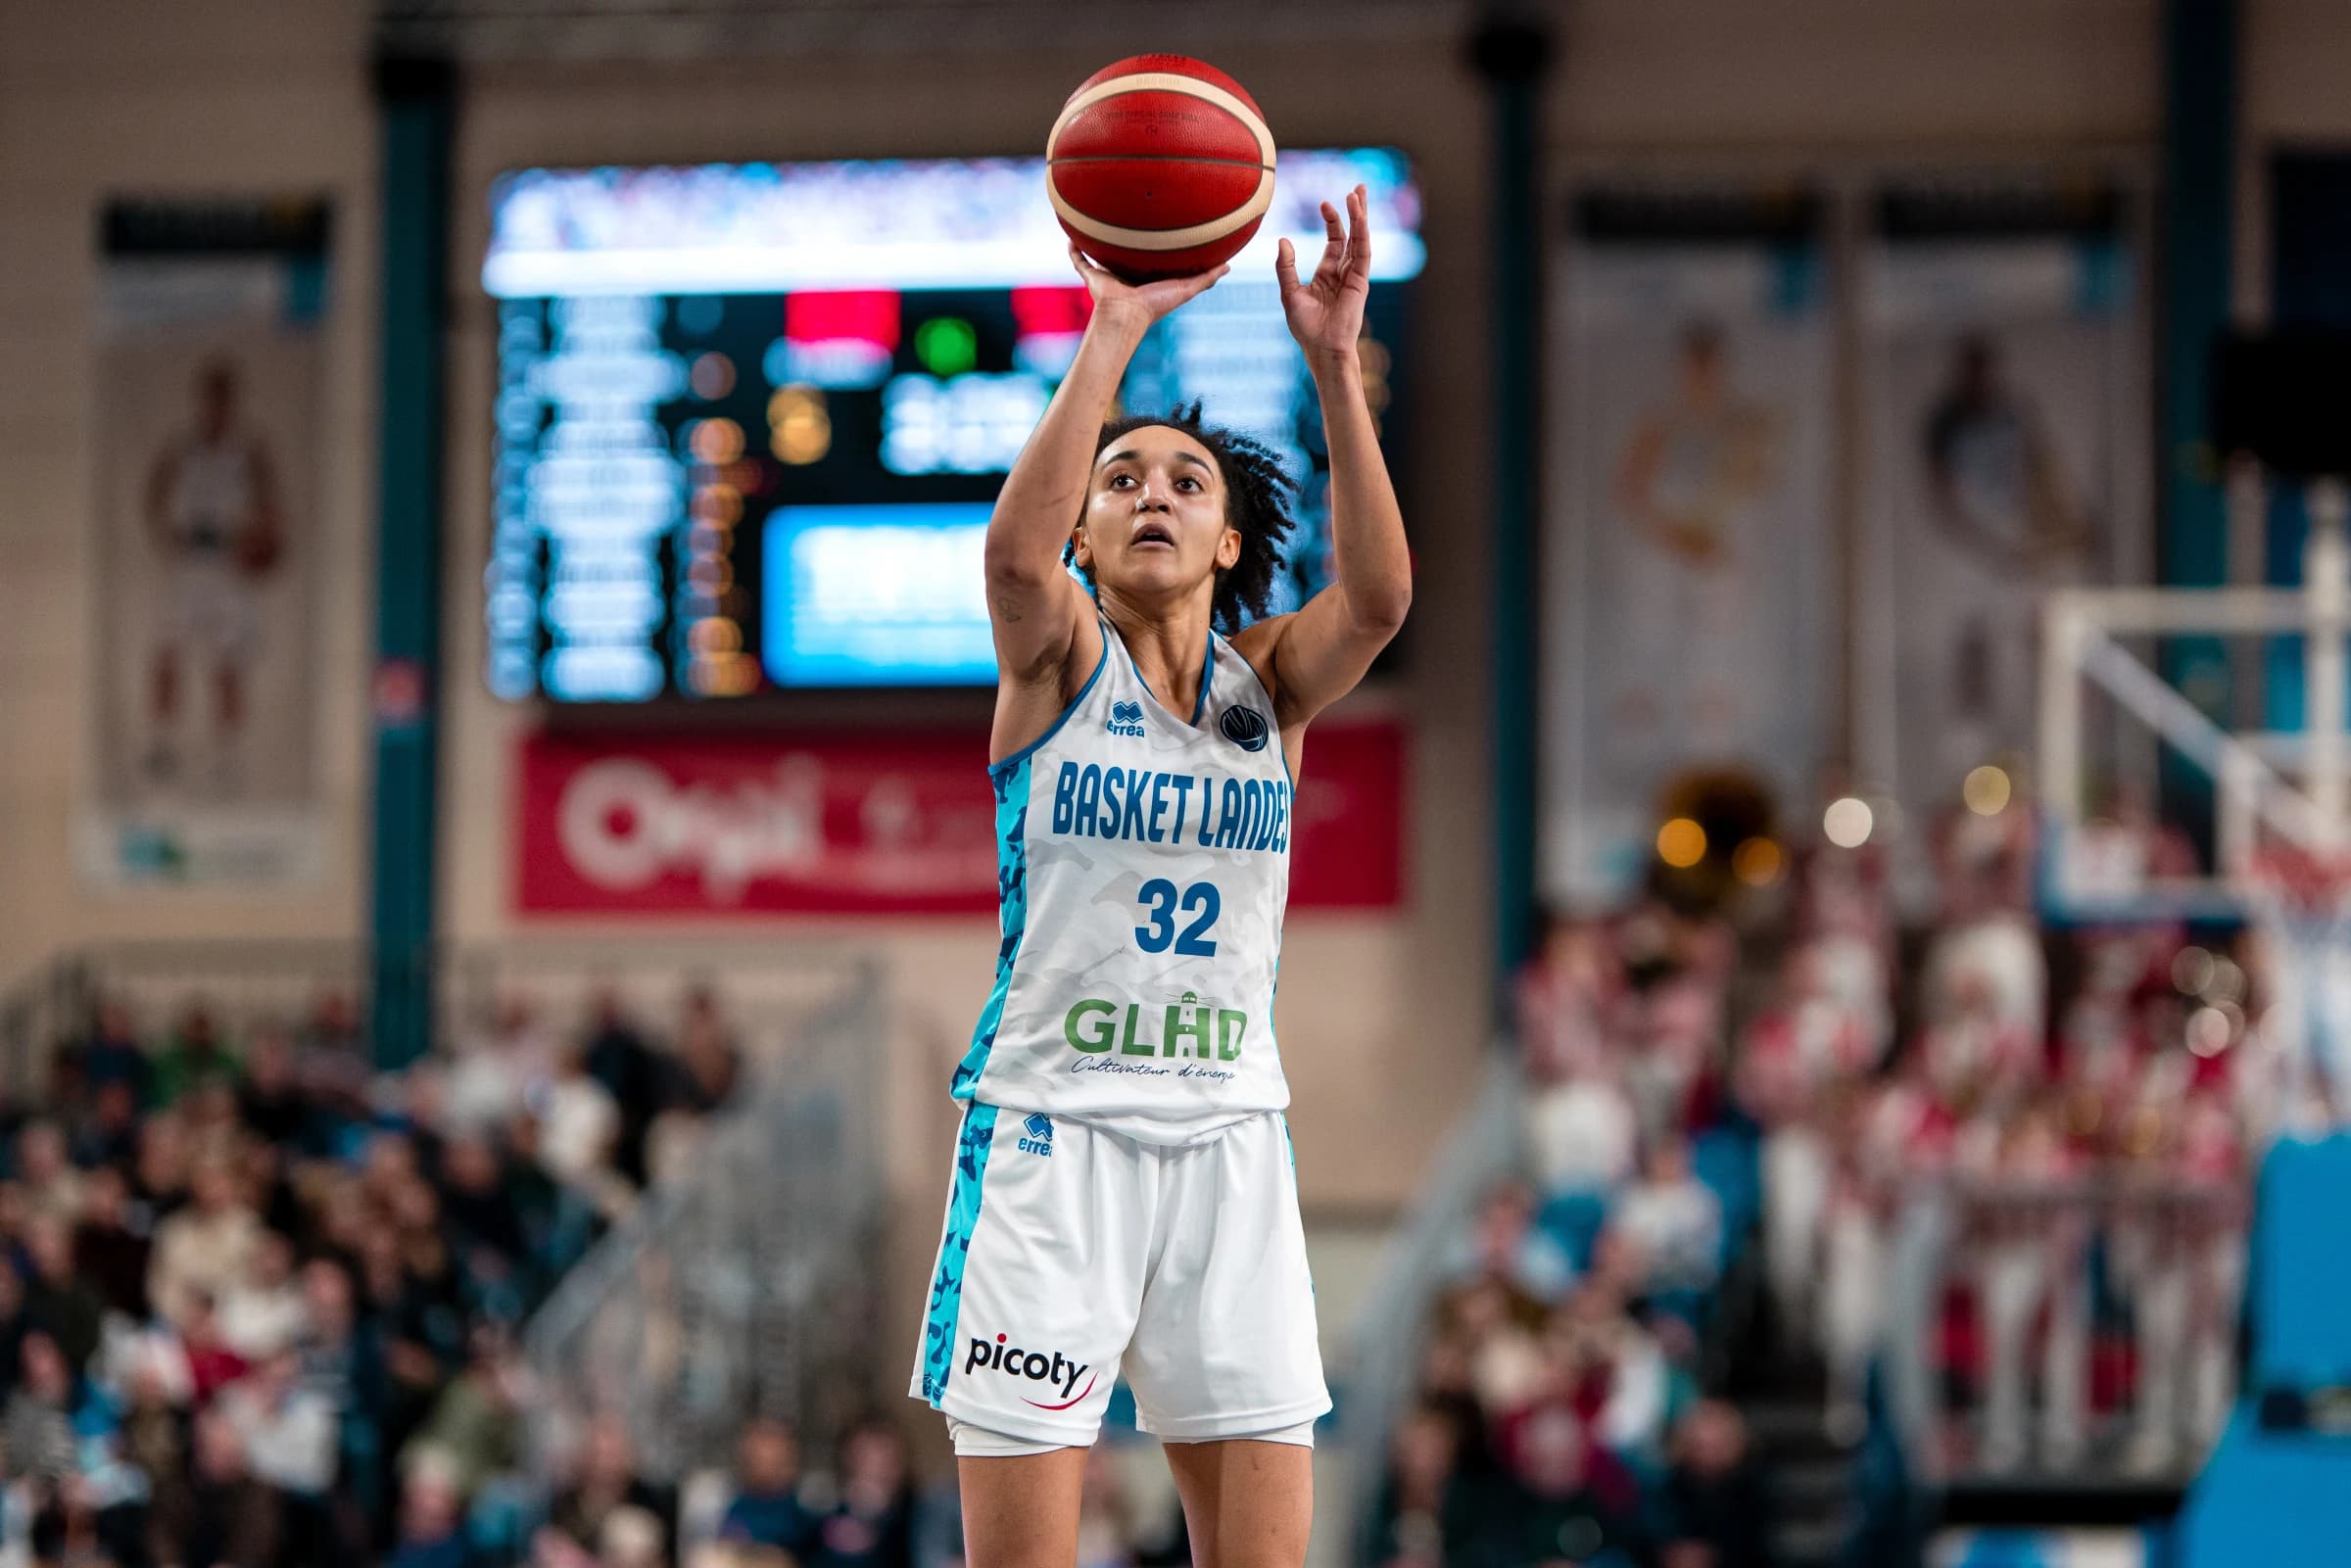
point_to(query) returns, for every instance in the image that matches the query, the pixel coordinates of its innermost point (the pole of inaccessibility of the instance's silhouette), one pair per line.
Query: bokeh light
(1681, 844)
(1757, 862)
(1986, 790)
(1848, 821)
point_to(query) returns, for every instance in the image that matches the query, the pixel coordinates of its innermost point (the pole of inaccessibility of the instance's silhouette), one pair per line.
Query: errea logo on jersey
(1126, 719)
(1038, 1135)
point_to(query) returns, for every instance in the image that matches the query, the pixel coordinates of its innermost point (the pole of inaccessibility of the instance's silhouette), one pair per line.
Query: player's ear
(1229, 548)
(1080, 551)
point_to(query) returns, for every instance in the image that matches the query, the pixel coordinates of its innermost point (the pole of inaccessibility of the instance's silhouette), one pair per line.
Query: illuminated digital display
(750, 417)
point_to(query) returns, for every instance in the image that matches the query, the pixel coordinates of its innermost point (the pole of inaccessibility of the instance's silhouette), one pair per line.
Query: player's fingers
(1359, 235)
(1334, 244)
(1285, 265)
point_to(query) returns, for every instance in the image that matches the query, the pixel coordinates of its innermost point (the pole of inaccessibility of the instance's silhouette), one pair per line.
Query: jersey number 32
(1160, 902)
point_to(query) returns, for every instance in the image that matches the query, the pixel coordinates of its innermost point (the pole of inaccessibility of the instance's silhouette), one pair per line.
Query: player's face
(1155, 514)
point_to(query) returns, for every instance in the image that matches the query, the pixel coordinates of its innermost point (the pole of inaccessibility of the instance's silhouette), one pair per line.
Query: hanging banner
(208, 368)
(873, 823)
(2004, 381)
(1687, 547)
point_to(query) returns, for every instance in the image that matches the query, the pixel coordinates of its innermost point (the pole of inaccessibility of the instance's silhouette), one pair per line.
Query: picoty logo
(1034, 1365)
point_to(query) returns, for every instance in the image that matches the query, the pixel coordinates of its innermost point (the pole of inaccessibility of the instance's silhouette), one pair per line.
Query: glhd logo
(1038, 1133)
(1034, 1365)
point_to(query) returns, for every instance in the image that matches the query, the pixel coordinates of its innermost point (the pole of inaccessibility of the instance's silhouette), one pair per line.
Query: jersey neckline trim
(1208, 671)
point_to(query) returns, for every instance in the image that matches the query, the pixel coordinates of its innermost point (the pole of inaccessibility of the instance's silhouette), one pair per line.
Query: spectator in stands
(1505, 1244)
(108, 1253)
(333, 1065)
(271, 1101)
(154, 1442)
(1565, 997)
(607, 1482)
(210, 1366)
(289, 1431)
(617, 1057)
(261, 1313)
(1577, 1501)
(580, 1131)
(432, 1519)
(475, 1428)
(108, 1132)
(204, 1250)
(196, 1056)
(1110, 1526)
(1715, 1496)
(113, 1054)
(1609, 1369)
(57, 1302)
(1426, 1518)
(1676, 1222)
(159, 1182)
(45, 1173)
(481, 1220)
(1504, 1363)
(495, 1072)
(328, 1353)
(1581, 1133)
(234, 1519)
(36, 1426)
(872, 1525)
(2031, 1273)
(766, 1511)
(707, 1065)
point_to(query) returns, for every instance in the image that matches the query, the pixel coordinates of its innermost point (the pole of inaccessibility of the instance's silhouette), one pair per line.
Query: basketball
(1159, 166)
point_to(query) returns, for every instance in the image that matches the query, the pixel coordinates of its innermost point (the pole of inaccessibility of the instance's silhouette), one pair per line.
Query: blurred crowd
(259, 1300)
(1727, 1116)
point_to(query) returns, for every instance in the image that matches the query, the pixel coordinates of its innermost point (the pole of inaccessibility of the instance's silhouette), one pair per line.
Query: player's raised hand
(1326, 312)
(1154, 300)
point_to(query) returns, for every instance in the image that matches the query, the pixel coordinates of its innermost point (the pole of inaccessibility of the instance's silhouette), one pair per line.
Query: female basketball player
(1124, 1193)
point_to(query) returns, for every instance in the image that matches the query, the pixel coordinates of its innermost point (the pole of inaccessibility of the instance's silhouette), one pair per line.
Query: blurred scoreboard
(750, 418)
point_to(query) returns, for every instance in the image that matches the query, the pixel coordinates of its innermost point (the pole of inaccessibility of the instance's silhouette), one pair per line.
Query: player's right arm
(1043, 623)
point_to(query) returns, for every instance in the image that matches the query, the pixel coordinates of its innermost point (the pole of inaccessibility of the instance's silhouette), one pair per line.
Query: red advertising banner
(865, 822)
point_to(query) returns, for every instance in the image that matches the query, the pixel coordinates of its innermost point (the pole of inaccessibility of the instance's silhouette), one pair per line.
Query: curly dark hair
(1257, 505)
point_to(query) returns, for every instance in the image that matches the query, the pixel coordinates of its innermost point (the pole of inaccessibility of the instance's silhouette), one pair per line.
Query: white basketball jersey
(212, 496)
(1144, 864)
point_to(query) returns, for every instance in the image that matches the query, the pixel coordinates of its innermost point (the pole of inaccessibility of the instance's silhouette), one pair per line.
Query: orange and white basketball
(1160, 166)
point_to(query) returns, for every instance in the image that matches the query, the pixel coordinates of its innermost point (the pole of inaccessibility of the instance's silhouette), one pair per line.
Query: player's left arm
(1315, 656)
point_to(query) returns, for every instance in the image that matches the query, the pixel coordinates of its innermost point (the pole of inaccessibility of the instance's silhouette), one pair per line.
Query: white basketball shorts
(211, 611)
(1072, 1253)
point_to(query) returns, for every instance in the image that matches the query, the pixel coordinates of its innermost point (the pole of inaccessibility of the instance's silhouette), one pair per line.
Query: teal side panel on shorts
(1012, 897)
(963, 1219)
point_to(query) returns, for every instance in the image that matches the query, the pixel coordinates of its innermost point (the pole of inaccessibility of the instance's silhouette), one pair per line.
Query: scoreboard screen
(750, 418)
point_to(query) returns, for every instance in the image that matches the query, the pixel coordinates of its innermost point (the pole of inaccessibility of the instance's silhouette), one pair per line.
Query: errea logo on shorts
(1038, 1135)
(1056, 1370)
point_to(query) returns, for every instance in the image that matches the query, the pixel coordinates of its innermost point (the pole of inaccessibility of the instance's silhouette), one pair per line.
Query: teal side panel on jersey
(1012, 895)
(955, 1251)
(1010, 781)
